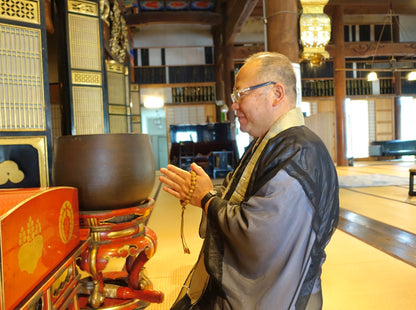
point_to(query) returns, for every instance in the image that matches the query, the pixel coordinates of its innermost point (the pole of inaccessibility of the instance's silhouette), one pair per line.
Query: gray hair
(275, 67)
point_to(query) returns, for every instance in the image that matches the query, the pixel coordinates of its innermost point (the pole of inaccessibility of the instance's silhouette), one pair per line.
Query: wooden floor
(371, 257)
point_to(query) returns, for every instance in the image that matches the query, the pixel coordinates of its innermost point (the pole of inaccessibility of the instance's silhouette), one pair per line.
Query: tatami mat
(359, 277)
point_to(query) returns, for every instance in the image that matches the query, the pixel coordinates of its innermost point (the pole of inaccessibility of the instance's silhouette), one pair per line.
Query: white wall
(185, 56)
(407, 28)
(172, 36)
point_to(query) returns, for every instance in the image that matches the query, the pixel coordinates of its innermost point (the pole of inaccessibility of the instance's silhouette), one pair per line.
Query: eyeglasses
(236, 94)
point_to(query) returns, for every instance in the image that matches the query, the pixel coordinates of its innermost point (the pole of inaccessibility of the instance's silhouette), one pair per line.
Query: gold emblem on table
(9, 171)
(66, 222)
(31, 245)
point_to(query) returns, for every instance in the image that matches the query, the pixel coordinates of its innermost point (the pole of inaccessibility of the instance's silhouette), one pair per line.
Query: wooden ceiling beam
(237, 15)
(369, 49)
(352, 50)
(179, 17)
(373, 7)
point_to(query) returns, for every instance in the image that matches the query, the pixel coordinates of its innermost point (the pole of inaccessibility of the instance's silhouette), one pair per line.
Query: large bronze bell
(111, 171)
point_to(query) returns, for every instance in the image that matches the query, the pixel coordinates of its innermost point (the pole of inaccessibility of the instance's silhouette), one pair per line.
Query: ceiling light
(372, 76)
(411, 76)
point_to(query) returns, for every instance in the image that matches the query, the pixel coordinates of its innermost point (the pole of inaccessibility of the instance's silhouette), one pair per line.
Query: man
(266, 228)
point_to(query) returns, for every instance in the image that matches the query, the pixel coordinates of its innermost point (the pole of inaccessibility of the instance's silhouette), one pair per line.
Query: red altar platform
(40, 234)
(47, 247)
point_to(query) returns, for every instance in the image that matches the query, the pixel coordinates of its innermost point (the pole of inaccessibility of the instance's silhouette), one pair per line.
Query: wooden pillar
(219, 69)
(340, 82)
(228, 79)
(224, 69)
(282, 28)
(397, 84)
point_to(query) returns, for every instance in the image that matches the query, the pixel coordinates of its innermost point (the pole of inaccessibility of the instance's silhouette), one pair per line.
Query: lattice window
(84, 42)
(21, 81)
(88, 110)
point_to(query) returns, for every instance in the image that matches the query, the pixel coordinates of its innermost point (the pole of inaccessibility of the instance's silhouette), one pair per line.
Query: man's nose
(235, 105)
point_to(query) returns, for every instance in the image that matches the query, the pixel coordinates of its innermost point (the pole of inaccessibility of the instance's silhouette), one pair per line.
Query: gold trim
(117, 109)
(83, 7)
(121, 233)
(66, 216)
(149, 250)
(86, 78)
(22, 11)
(39, 143)
(114, 66)
(134, 87)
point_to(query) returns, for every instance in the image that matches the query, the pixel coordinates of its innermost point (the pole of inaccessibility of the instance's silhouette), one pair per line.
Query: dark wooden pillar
(228, 79)
(282, 28)
(224, 69)
(219, 69)
(340, 82)
(397, 84)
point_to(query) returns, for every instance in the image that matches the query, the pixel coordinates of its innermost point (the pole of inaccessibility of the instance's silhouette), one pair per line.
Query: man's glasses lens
(236, 94)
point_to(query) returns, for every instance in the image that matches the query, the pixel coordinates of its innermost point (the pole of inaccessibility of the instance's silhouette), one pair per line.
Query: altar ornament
(315, 31)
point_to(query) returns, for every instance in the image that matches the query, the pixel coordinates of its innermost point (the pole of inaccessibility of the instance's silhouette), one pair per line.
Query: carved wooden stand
(114, 235)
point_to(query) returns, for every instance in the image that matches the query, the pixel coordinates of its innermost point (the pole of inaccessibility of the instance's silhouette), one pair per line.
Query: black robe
(300, 157)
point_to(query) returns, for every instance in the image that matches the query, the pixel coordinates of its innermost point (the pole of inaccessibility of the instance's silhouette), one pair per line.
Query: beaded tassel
(183, 204)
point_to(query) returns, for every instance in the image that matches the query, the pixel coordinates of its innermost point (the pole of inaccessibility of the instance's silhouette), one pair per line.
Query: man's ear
(279, 93)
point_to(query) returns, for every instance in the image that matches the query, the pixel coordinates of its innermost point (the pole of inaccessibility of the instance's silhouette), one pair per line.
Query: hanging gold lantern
(315, 30)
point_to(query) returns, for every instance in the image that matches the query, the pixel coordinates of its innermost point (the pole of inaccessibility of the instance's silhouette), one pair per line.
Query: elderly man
(266, 228)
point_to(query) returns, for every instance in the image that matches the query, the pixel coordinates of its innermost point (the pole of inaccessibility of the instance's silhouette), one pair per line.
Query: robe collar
(292, 118)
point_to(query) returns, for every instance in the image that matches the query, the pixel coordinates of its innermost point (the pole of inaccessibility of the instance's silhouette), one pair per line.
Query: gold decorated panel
(114, 66)
(135, 119)
(20, 10)
(86, 78)
(88, 110)
(116, 88)
(84, 42)
(83, 7)
(19, 170)
(117, 109)
(22, 106)
(134, 87)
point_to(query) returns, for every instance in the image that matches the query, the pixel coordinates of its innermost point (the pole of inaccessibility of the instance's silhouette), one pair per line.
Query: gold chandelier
(315, 31)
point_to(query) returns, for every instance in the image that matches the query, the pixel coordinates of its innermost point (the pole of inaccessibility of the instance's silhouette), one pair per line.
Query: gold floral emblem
(66, 222)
